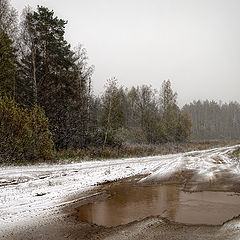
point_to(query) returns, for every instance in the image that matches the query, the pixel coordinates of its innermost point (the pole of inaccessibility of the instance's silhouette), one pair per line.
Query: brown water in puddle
(129, 203)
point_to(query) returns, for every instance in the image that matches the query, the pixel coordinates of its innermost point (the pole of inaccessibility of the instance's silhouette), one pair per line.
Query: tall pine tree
(54, 76)
(8, 57)
(7, 65)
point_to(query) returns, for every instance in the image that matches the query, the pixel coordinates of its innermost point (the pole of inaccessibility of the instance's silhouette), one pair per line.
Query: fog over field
(194, 43)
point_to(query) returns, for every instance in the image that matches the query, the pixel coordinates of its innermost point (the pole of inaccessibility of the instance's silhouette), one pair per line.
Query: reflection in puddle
(129, 203)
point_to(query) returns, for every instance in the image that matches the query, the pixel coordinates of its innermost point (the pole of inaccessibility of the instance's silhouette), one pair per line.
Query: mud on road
(65, 223)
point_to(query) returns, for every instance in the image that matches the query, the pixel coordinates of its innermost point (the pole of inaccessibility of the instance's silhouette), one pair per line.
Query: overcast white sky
(194, 43)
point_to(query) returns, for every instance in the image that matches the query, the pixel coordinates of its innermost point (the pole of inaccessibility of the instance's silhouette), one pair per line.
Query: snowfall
(28, 193)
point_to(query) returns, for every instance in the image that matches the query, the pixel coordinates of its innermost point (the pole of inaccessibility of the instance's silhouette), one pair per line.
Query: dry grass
(137, 150)
(129, 150)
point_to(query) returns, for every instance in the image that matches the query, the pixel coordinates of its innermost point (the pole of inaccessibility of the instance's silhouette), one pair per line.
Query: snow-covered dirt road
(30, 193)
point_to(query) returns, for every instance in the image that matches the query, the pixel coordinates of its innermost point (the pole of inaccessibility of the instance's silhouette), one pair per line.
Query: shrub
(97, 136)
(24, 134)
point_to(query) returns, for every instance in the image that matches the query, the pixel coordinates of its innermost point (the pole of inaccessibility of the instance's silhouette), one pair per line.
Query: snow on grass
(30, 191)
(207, 164)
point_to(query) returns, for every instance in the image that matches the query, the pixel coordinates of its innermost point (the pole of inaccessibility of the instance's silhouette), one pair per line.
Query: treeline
(46, 95)
(212, 120)
(141, 115)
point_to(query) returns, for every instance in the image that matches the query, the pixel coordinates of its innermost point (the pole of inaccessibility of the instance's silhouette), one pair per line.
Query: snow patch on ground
(29, 192)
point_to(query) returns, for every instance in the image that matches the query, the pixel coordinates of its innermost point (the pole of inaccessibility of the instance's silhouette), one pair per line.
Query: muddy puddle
(129, 202)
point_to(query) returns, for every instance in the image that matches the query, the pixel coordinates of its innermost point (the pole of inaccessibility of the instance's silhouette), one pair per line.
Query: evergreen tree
(170, 111)
(7, 65)
(8, 59)
(54, 76)
(24, 134)
(176, 125)
(183, 131)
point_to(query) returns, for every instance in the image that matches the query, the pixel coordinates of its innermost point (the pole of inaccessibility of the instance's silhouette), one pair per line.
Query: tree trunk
(108, 123)
(34, 83)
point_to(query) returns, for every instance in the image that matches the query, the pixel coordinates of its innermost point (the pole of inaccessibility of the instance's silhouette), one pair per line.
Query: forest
(212, 120)
(47, 103)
